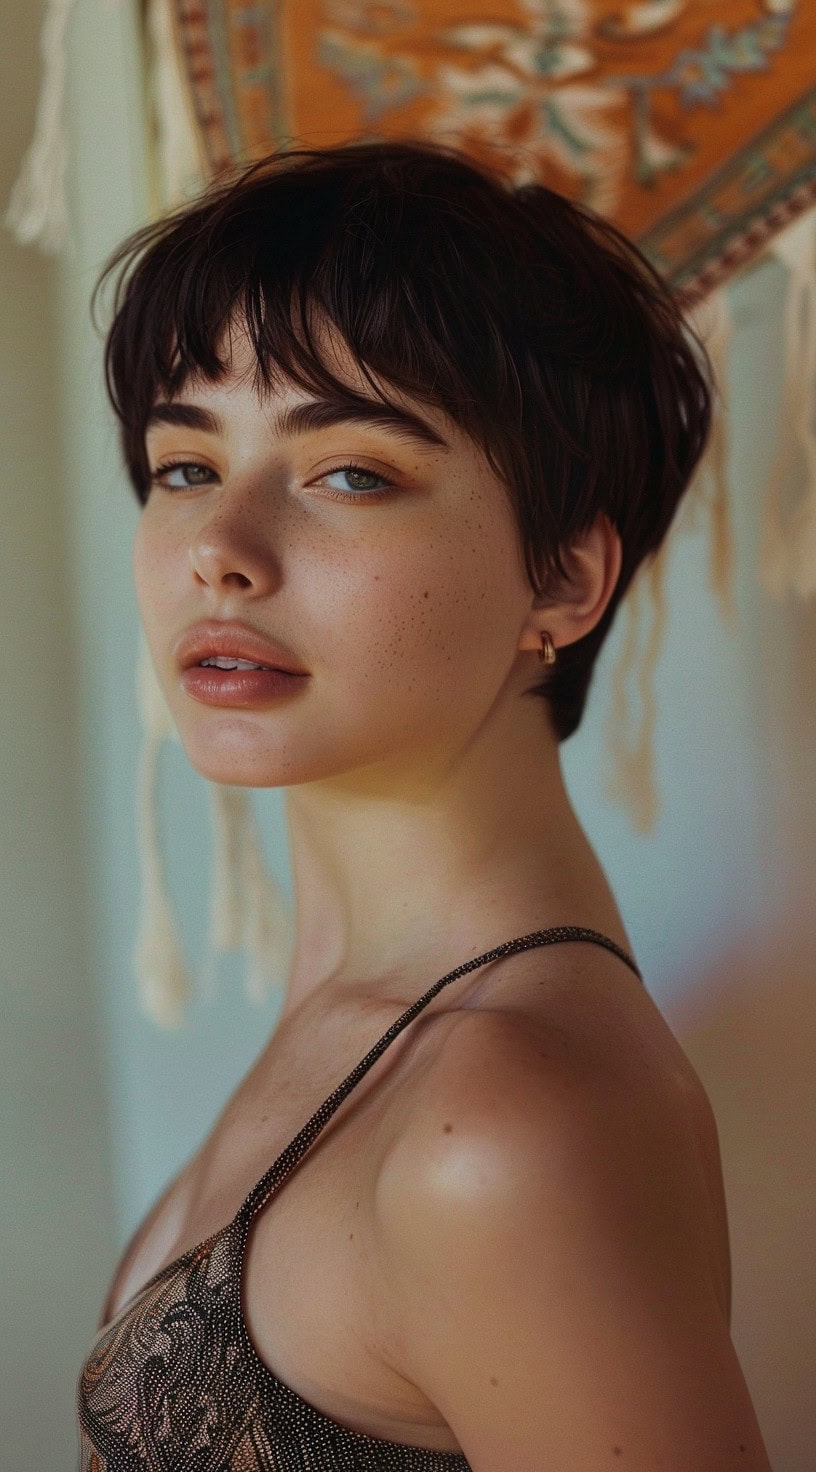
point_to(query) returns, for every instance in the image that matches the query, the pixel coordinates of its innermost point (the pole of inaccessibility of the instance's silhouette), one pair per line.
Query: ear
(569, 609)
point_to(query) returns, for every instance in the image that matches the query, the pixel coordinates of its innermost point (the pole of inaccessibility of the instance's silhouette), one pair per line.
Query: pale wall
(57, 1219)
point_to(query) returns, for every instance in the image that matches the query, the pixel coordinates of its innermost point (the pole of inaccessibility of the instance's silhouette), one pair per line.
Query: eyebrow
(314, 414)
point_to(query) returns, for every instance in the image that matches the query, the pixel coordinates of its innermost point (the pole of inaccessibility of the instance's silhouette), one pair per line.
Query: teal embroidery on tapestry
(382, 83)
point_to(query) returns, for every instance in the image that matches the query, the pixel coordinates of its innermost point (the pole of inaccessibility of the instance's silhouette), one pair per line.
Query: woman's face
(405, 609)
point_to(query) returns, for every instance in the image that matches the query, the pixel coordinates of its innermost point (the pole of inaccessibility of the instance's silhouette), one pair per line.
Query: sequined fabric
(173, 1381)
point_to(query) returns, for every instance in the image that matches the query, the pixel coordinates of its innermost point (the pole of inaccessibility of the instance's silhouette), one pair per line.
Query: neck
(399, 880)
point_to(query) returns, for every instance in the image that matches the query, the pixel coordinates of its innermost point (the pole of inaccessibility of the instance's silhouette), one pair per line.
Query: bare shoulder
(538, 1067)
(513, 1084)
(544, 1223)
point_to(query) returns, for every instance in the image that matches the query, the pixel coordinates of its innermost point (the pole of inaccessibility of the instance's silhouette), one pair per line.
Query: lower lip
(239, 687)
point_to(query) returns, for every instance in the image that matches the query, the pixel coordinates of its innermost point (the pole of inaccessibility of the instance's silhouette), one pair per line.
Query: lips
(205, 640)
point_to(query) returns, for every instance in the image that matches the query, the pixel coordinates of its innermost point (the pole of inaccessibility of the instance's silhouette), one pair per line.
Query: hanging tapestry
(690, 125)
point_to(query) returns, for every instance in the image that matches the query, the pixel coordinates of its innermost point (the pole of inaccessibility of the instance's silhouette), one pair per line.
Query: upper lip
(204, 640)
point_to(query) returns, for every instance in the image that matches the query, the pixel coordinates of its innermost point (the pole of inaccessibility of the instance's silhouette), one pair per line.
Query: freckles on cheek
(376, 622)
(372, 631)
(409, 633)
(409, 616)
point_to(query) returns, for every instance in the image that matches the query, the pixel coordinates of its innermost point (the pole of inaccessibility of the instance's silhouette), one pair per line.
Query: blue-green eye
(359, 493)
(157, 476)
(353, 472)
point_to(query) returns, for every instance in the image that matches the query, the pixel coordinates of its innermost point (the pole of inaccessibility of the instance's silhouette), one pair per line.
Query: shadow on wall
(749, 1027)
(750, 1031)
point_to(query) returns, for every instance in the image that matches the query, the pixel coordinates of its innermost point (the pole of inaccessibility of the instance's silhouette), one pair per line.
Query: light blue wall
(706, 872)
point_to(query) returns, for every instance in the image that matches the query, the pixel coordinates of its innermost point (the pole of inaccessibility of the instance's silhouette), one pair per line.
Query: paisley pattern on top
(173, 1382)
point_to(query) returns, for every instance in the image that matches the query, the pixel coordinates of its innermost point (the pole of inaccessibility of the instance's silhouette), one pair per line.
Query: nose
(237, 532)
(234, 551)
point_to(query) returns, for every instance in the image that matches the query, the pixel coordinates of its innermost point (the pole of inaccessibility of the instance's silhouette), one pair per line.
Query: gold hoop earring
(547, 651)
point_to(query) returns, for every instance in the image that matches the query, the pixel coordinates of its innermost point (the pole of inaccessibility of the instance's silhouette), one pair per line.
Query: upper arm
(543, 1243)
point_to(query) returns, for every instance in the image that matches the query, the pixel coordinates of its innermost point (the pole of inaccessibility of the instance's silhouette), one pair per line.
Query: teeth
(224, 662)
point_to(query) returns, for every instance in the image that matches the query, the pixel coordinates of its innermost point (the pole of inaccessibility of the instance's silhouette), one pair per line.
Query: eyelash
(333, 495)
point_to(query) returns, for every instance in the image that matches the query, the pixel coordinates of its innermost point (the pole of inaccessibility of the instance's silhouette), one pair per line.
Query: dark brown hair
(533, 323)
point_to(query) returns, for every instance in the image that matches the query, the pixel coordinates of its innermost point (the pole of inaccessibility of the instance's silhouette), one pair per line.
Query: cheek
(158, 589)
(152, 558)
(422, 622)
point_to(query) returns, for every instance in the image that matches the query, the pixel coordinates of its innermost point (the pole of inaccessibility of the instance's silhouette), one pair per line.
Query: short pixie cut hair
(534, 324)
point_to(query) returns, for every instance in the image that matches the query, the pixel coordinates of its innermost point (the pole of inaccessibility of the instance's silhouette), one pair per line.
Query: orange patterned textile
(690, 124)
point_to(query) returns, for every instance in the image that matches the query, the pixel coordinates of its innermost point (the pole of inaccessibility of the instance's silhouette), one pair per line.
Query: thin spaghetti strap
(296, 1149)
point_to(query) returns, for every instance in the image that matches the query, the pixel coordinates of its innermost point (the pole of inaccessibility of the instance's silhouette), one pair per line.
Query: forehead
(241, 389)
(236, 350)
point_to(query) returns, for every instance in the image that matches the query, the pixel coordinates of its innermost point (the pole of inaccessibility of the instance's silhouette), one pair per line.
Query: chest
(315, 1307)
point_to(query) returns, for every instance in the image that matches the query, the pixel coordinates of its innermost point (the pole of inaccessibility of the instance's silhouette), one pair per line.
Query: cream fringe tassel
(161, 972)
(788, 555)
(631, 745)
(247, 906)
(37, 209)
(248, 909)
(179, 155)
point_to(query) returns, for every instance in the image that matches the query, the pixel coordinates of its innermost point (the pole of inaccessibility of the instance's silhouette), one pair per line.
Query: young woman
(406, 432)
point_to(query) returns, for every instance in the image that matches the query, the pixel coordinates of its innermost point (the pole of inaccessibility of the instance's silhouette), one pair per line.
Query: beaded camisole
(173, 1384)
